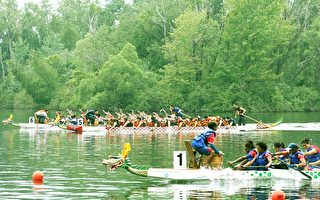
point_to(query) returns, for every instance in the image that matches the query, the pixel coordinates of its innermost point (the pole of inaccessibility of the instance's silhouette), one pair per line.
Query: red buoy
(37, 177)
(278, 195)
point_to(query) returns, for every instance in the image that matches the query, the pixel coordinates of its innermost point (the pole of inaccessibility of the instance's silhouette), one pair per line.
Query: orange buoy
(278, 195)
(37, 177)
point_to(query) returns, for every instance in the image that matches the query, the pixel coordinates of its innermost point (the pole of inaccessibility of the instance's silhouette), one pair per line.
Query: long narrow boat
(120, 130)
(31, 125)
(314, 126)
(35, 126)
(114, 162)
(208, 174)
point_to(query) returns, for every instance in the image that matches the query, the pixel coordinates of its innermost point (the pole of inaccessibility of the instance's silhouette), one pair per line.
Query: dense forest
(201, 55)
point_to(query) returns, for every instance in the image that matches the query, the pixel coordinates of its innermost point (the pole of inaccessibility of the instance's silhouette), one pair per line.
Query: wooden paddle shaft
(252, 119)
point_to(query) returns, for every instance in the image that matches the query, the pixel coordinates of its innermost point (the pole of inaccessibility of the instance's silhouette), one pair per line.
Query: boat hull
(228, 173)
(175, 129)
(34, 126)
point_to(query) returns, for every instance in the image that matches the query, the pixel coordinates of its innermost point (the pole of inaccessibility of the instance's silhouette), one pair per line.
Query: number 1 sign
(179, 160)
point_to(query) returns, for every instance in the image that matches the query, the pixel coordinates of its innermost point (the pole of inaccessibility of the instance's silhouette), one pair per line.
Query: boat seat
(193, 162)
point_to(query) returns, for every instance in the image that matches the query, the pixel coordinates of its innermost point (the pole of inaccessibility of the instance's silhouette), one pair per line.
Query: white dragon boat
(31, 125)
(313, 126)
(80, 128)
(173, 129)
(125, 130)
(35, 126)
(195, 173)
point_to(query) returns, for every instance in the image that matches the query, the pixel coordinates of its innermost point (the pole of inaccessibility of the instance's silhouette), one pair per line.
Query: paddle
(255, 167)
(167, 117)
(85, 122)
(186, 115)
(232, 167)
(267, 125)
(294, 168)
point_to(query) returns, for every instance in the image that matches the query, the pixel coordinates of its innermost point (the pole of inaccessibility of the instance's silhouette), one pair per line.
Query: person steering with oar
(240, 114)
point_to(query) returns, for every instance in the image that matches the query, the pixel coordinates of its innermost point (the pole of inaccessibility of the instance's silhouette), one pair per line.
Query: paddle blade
(278, 122)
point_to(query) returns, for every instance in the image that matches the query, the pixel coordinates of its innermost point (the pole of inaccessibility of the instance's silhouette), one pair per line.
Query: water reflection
(72, 167)
(234, 189)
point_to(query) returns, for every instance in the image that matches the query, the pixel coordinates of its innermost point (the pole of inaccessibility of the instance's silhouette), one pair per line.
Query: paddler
(251, 154)
(263, 159)
(176, 110)
(91, 116)
(201, 142)
(280, 153)
(41, 116)
(58, 117)
(312, 153)
(296, 156)
(230, 121)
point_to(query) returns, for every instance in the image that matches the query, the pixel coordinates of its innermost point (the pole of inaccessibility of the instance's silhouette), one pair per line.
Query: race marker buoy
(37, 177)
(278, 195)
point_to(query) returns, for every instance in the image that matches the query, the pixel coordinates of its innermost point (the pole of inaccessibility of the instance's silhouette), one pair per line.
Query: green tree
(93, 51)
(122, 80)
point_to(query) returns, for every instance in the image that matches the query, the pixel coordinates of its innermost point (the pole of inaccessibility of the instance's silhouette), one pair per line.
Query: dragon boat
(36, 126)
(31, 125)
(146, 129)
(196, 172)
(312, 126)
(170, 129)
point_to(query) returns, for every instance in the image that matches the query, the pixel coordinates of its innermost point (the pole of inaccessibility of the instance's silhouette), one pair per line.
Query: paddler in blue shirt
(296, 157)
(251, 154)
(201, 142)
(263, 159)
(312, 153)
(176, 110)
(280, 153)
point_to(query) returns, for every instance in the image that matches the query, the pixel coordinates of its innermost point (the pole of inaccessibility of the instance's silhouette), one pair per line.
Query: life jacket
(262, 159)
(177, 110)
(294, 157)
(202, 139)
(252, 150)
(283, 157)
(58, 118)
(136, 123)
(313, 157)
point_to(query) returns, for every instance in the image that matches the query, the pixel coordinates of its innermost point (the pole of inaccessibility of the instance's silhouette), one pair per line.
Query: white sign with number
(179, 160)
(80, 122)
(31, 120)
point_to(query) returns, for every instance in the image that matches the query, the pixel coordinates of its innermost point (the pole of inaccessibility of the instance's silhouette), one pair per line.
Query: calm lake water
(73, 170)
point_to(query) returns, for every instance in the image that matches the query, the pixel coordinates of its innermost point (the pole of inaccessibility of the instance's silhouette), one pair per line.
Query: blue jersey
(200, 142)
(252, 154)
(204, 138)
(295, 158)
(314, 157)
(262, 159)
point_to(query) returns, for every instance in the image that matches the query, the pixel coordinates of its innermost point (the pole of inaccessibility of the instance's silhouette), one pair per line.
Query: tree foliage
(203, 55)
